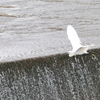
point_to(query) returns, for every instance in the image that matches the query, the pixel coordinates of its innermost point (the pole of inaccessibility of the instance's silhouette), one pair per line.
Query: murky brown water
(43, 16)
(38, 27)
(46, 21)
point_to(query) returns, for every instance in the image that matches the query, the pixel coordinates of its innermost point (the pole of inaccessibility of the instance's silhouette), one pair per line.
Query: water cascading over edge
(55, 77)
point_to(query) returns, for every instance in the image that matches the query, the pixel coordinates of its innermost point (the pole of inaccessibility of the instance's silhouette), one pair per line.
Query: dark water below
(56, 77)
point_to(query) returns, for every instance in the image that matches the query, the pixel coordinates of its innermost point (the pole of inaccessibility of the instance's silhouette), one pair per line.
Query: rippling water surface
(43, 16)
(42, 24)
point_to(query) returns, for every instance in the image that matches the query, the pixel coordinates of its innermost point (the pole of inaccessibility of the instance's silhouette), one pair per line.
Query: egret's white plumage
(78, 49)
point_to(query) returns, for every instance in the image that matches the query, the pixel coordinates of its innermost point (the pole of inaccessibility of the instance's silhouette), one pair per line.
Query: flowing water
(43, 16)
(33, 28)
(42, 24)
(55, 77)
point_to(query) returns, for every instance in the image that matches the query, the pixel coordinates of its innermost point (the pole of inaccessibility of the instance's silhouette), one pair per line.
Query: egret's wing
(73, 37)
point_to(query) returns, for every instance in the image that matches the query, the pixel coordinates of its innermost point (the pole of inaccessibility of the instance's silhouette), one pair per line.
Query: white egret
(78, 49)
